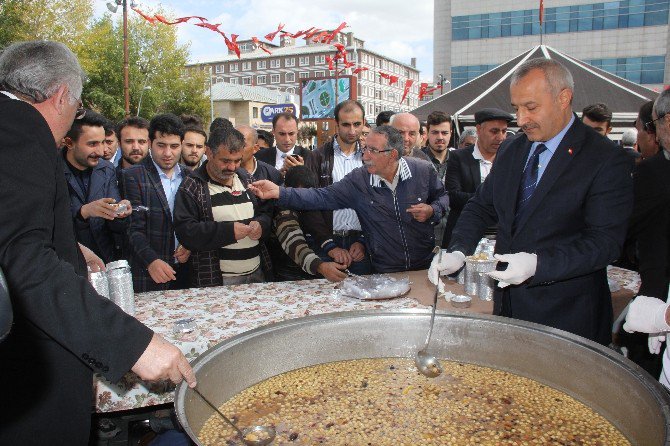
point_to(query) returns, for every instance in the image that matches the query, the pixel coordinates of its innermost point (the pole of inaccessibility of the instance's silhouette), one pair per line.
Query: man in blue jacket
(398, 201)
(94, 194)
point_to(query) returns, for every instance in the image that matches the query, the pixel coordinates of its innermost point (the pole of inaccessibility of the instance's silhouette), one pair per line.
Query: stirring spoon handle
(437, 290)
(219, 412)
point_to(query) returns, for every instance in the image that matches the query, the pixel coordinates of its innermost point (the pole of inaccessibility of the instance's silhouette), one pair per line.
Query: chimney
(285, 40)
(413, 62)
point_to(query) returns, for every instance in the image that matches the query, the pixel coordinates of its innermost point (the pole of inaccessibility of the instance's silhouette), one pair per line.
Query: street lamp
(139, 104)
(113, 7)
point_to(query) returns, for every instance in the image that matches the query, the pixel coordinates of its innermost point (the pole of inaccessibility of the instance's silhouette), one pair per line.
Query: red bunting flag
(408, 84)
(232, 43)
(271, 36)
(162, 19)
(312, 32)
(334, 33)
(260, 45)
(329, 60)
(320, 37)
(210, 26)
(359, 69)
(144, 16)
(392, 79)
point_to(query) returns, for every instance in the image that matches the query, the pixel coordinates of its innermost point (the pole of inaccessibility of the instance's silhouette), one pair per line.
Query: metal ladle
(264, 434)
(428, 364)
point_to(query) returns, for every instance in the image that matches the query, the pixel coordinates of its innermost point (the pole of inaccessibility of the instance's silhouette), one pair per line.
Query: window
(643, 70)
(261, 80)
(275, 63)
(246, 66)
(234, 67)
(233, 80)
(320, 74)
(260, 65)
(289, 77)
(304, 60)
(219, 69)
(255, 112)
(289, 62)
(274, 78)
(246, 80)
(320, 59)
(304, 75)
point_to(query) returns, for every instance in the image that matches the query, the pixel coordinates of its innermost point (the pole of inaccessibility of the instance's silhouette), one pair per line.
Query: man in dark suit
(561, 195)
(63, 330)
(158, 261)
(468, 167)
(94, 195)
(285, 153)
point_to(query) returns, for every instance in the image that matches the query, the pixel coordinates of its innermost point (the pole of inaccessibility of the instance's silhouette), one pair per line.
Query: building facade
(628, 38)
(288, 63)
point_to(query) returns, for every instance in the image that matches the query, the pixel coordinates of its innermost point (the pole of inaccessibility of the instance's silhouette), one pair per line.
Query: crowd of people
(232, 205)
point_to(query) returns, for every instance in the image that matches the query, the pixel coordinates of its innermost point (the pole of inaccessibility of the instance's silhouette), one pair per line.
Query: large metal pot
(602, 379)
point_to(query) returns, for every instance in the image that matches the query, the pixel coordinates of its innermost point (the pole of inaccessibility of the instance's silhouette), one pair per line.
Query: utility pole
(126, 80)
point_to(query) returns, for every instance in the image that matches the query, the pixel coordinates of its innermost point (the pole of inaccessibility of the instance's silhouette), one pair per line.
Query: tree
(156, 58)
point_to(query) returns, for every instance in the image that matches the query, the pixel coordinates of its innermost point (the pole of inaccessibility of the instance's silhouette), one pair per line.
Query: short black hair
(266, 136)
(645, 116)
(109, 127)
(229, 137)
(348, 105)
(436, 118)
(91, 119)
(167, 124)
(284, 115)
(300, 176)
(598, 113)
(191, 121)
(219, 123)
(134, 121)
(195, 129)
(384, 117)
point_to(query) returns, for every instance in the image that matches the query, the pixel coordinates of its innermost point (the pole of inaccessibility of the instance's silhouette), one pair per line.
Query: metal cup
(476, 282)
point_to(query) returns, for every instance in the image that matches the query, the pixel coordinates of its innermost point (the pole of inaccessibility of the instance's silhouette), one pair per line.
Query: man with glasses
(397, 201)
(336, 235)
(63, 330)
(94, 195)
(647, 143)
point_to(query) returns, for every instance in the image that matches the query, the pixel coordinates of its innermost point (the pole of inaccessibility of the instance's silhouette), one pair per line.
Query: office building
(628, 38)
(288, 63)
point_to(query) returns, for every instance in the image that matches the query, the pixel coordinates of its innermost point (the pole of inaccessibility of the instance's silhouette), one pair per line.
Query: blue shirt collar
(177, 171)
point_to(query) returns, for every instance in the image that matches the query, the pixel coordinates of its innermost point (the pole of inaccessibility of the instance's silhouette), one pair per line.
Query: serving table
(222, 312)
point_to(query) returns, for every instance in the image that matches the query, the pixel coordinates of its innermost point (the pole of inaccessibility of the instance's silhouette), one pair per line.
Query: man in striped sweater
(219, 221)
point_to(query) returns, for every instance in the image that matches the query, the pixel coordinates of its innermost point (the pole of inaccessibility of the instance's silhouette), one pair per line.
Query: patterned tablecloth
(222, 312)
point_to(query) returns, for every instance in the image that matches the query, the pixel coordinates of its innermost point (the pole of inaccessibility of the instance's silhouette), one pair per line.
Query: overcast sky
(395, 28)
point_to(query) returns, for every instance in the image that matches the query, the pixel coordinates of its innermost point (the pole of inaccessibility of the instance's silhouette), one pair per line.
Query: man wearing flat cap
(468, 167)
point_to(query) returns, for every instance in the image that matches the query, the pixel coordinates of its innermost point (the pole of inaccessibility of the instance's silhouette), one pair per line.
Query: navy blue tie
(528, 182)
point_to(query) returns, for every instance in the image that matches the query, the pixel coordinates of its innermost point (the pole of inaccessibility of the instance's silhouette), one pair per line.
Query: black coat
(461, 181)
(269, 154)
(63, 330)
(575, 222)
(649, 228)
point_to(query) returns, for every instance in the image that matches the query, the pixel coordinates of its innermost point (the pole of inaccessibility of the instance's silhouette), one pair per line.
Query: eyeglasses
(81, 111)
(374, 151)
(651, 125)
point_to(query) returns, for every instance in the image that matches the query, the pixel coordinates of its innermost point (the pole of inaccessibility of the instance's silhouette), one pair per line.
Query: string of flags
(313, 34)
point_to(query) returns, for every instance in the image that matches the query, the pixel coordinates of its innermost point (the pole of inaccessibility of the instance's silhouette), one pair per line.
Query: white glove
(655, 342)
(521, 266)
(449, 264)
(646, 315)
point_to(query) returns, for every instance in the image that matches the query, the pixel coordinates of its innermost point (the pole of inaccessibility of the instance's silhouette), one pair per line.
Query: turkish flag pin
(570, 151)
(236, 193)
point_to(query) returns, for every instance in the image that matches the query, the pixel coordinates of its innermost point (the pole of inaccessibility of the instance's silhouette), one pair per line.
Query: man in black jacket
(337, 235)
(63, 330)
(468, 167)
(286, 153)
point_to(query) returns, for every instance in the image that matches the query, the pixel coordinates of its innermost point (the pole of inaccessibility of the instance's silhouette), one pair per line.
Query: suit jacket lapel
(74, 184)
(156, 182)
(560, 160)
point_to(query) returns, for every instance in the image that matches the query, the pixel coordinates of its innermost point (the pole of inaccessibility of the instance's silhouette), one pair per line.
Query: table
(223, 312)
